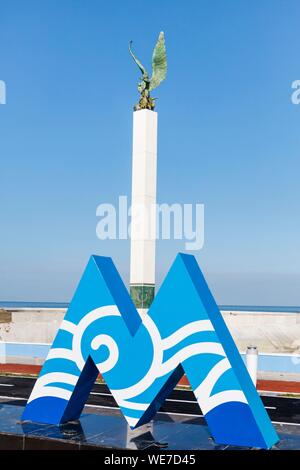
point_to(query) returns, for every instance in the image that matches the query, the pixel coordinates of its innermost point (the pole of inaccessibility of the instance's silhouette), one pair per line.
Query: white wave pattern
(185, 331)
(203, 391)
(158, 368)
(42, 388)
(109, 342)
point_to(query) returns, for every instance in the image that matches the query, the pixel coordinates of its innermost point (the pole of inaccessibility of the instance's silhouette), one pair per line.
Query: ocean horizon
(242, 308)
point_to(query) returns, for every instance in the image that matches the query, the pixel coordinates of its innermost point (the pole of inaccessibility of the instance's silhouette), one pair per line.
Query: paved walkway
(262, 385)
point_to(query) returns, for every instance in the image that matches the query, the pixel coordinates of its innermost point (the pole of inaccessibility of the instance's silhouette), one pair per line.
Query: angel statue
(159, 72)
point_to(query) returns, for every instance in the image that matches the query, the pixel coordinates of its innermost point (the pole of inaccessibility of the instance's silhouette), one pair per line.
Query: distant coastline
(227, 308)
(20, 304)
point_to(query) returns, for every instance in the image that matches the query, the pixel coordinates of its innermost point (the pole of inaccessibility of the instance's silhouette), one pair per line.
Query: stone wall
(270, 332)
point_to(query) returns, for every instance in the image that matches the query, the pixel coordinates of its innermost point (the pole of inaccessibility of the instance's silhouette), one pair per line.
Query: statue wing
(159, 62)
(138, 63)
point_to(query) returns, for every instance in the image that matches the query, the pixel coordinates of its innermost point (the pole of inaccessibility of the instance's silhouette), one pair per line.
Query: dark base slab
(107, 429)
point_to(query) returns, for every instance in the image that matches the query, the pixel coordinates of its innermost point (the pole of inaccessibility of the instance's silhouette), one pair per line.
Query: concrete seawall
(29, 325)
(25, 336)
(271, 332)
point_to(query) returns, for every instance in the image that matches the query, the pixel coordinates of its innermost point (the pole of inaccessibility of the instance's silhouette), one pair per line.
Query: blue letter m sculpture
(141, 360)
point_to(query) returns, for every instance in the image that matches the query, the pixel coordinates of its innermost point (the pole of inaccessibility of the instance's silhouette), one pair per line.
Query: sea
(241, 308)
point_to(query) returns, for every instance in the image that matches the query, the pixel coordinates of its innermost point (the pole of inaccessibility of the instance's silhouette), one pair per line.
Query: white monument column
(143, 214)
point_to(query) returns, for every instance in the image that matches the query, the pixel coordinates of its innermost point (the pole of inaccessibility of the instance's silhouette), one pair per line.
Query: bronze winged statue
(159, 72)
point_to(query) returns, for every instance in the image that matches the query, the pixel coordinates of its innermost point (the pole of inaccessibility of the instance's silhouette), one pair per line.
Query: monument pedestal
(106, 429)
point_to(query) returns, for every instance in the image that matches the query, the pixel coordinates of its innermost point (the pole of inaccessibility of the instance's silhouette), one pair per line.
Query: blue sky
(228, 137)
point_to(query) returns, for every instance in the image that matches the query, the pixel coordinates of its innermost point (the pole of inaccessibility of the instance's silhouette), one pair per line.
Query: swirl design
(103, 335)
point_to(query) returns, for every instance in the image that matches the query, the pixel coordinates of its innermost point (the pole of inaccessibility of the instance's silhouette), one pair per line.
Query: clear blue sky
(228, 137)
